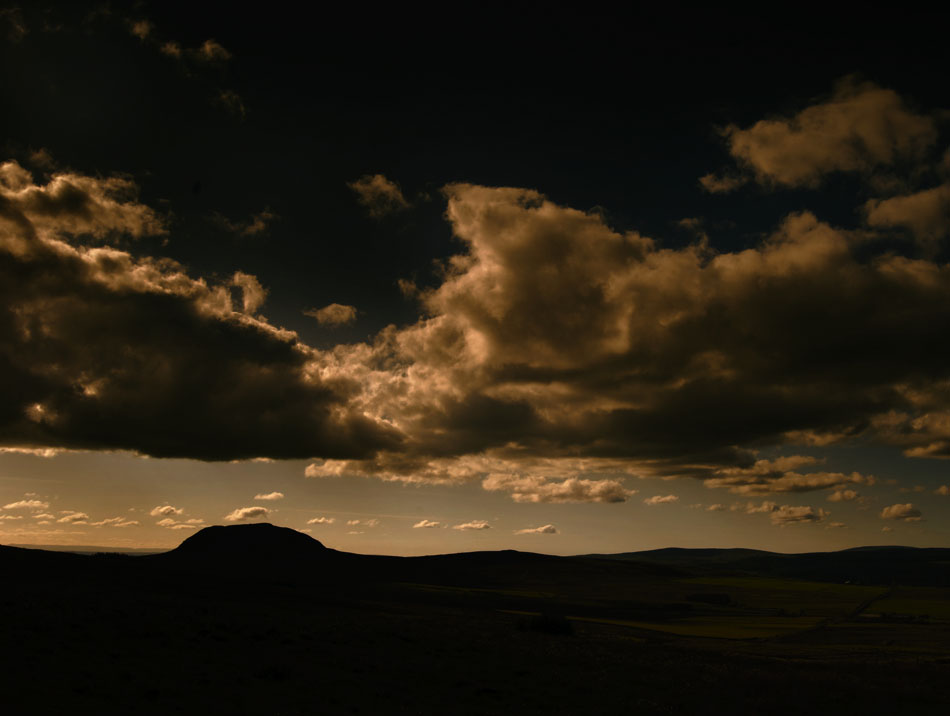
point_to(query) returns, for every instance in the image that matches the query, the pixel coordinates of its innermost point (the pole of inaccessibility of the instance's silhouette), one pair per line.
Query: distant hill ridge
(865, 565)
(267, 551)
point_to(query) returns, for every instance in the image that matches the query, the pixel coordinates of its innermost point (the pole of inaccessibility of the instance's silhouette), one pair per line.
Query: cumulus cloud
(73, 518)
(336, 314)
(661, 500)
(773, 476)
(789, 515)
(926, 213)
(247, 513)
(427, 524)
(269, 496)
(473, 525)
(222, 384)
(553, 335)
(72, 204)
(943, 490)
(535, 488)
(321, 521)
(843, 496)
(378, 194)
(27, 505)
(543, 530)
(905, 512)
(860, 127)
(165, 511)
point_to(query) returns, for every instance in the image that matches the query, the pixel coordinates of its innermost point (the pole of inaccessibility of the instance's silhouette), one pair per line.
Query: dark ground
(314, 631)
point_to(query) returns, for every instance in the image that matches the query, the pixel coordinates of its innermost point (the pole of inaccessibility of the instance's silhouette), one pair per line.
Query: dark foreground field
(259, 620)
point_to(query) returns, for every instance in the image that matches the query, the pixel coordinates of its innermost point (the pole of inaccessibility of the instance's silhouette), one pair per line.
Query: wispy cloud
(543, 530)
(473, 525)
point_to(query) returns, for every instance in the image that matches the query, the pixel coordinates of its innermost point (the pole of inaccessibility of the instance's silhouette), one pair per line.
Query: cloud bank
(175, 370)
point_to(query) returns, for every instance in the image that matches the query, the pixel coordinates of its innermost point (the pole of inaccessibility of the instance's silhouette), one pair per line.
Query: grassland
(519, 637)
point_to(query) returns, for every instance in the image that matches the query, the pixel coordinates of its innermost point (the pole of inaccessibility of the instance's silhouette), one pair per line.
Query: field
(509, 634)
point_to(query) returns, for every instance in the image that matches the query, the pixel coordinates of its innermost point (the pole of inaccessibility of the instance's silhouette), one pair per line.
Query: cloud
(905, 512)
(27, 505)
(72, 204)
(165, 511)
(172, 49)
(715, 508)
(789, 515)
(752, 508)
(428, 524)
(222, 384)
(843, 496)
(363, 523)
(247, 513)
(12, 17)
(943, 490)
(171, 524)
(544, 530)
(321, 521)
(252, 293)
(661, 500)
(37, 452)
(926, 213)
(553, 336)
(232, 101)
(473, 525)
(773, 476)
(114, 522)
(269, 496)
(140, 28)
(255, 225)
(336, 314)
(380, 195)
(11, 517)
(721, 184)
(860, 127)
(74, 518)
(211, 51)
(534, 488)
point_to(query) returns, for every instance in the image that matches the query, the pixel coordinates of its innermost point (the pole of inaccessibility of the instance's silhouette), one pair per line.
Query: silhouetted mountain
(248, 542)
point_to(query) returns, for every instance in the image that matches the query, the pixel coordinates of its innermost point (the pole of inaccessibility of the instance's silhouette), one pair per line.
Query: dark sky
(515, 192)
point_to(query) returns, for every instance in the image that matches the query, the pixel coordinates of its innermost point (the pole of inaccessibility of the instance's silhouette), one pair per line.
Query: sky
(414, 282)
